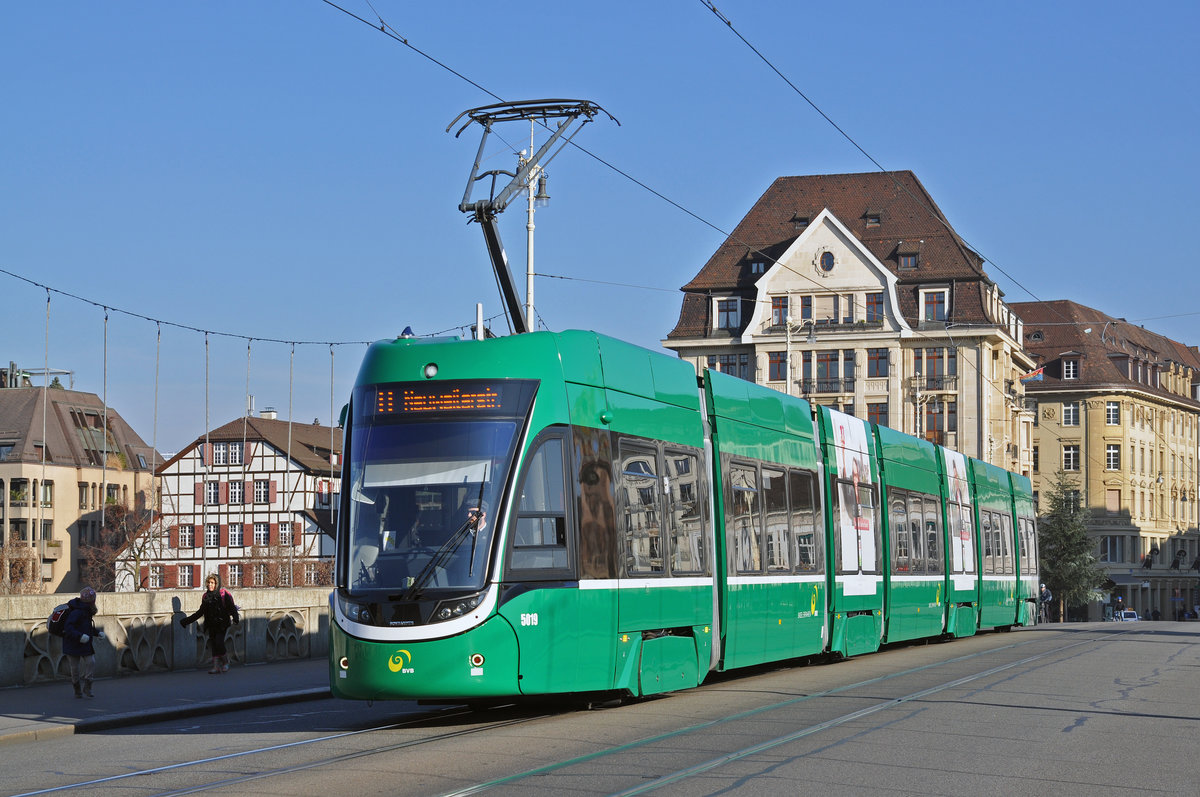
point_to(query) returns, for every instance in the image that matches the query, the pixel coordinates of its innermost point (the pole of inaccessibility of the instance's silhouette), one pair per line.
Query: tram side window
(934, 561)
(806, 523)
(540, 537)
(901, 542)
(1006, 530)
(915, 533)
(742, 518)
(686, 514)
(856, 534)
(967, 537)
(639, 493)
(985, 534)
(1028, 546)
(774, 489)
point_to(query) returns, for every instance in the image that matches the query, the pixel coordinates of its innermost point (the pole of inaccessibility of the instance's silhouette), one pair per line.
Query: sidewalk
(43, 710)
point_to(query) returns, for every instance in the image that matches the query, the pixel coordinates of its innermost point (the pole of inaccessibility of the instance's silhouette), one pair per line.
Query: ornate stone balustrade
(143, 632)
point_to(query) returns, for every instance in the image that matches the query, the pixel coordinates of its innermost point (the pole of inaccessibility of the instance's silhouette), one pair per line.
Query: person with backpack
(218, 611)
(78, 633)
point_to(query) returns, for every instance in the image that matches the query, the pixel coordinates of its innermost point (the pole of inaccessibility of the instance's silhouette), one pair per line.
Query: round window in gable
(827, 262)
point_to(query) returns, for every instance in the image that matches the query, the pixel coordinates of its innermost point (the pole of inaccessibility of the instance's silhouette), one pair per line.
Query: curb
(110, 721)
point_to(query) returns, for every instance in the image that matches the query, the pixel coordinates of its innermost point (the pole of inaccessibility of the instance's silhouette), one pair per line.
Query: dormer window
(1036, 336)
(1070, 368)
(908, 254)
(799, 222)
(872, 218)
(758, 267)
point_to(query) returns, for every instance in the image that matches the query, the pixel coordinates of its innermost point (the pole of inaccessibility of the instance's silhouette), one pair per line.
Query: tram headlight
(356, 612)
(448, 610)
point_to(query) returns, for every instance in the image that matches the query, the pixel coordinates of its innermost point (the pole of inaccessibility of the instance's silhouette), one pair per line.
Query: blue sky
(280, 171)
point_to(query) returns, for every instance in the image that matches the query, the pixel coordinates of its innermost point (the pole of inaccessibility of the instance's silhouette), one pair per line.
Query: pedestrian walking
(218, 611)
(79, 632)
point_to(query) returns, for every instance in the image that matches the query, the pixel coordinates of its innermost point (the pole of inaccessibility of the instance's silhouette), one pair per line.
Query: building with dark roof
(64, 458)
(1118, 411)
(251, 500)
(854, 291)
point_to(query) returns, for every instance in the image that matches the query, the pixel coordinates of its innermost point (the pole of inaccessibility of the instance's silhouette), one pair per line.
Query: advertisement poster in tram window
(855, 520)
(962, 549)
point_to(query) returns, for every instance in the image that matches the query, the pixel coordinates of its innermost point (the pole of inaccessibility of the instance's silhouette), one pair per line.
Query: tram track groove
(718, 761)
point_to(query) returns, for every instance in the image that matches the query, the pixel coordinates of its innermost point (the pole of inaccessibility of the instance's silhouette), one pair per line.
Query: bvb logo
(400, 661)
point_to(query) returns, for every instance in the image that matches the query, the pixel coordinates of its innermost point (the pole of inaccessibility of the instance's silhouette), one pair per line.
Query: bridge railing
(143, 633)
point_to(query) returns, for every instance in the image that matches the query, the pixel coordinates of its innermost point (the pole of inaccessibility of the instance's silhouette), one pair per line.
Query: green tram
(563, 512)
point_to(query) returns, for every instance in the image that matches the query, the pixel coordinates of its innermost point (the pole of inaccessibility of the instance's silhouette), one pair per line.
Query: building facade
(1118, 412)
(65, 459)
(253, 501)
(854, 292)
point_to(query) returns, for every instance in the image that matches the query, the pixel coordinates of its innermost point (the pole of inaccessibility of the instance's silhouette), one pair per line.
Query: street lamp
(789, 325)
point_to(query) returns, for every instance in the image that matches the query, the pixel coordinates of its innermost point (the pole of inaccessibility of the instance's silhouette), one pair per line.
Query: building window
(1112, 457)
(908, 261)
(727, 313)
(877, 363)
(733, 364)
(212, 535)
(187, 536)
(779, 310)
(1070, 369)
(156, 577)
(285, 534)
(935, 306)
(236, 535)
(1071, 458)
(262, 533)
(758, 267)
(310, 573)
(875, 307)
(827, 262)
(260, 575)
(185, 577)
(235, 453)
(877, 413)
(262, 491)
(872, 219)
(777, 366)
(237, 492)
(220, 454)
(236, 579)
(1070, 413)
(1112, 413)
(1112, 549)
(1035, 459)
(212, 492)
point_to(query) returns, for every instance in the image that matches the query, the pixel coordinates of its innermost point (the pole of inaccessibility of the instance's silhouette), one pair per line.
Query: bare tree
(20, 569)
(129, 539)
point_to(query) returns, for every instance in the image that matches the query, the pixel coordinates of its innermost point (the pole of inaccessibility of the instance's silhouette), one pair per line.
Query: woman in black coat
(218, 611)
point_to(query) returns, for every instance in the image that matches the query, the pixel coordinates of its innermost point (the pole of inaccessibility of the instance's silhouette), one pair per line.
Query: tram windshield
(424, 496)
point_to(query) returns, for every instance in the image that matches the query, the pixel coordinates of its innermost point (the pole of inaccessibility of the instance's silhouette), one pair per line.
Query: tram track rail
(655, 780)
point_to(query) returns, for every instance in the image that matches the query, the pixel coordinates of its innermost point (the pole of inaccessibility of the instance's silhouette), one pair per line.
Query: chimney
(268, 413)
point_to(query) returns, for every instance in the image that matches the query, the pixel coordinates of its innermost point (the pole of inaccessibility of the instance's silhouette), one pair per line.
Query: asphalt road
(1080, 709)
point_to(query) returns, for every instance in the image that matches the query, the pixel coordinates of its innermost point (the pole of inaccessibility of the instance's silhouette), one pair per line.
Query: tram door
(557, 636)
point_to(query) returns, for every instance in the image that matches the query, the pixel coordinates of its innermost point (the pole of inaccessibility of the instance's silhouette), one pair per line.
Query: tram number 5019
(529, 619)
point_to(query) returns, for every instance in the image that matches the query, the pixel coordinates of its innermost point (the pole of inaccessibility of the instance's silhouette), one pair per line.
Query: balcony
(941, 383)
(771, 327)
(52, 550)
(815, 386)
